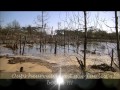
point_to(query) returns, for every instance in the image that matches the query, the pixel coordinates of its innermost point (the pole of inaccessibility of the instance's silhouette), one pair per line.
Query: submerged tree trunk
(55, 51)
(68, 42)
(24, 45)
(117, 35)
(40, 45)
(45, 43)
(64, 41)
(20, 44)
(77, 44)
(112, 59)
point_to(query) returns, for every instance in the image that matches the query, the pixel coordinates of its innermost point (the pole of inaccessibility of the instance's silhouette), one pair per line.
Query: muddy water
(101, 48)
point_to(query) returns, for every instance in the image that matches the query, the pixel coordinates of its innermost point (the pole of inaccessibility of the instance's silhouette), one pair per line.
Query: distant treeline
(91, 34)
(35, 33)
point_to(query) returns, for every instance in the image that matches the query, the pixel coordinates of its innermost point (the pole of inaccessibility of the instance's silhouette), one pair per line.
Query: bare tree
(117, 35)
(111, 48)
(85, 41)
(42, 21)
(15, 25)
(1, 24)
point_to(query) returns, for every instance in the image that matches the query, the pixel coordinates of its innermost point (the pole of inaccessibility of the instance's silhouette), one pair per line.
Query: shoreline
(51, 64)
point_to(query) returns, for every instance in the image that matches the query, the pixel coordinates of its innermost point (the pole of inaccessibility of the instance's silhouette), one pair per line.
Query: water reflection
(98, 47)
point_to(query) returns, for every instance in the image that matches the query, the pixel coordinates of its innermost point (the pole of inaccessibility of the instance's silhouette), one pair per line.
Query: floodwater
(101, 48)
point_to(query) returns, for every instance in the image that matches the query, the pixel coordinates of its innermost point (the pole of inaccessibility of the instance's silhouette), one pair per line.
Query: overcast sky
(26, 18)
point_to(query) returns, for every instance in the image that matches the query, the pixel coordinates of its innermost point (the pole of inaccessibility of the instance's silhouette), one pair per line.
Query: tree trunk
(117, 35)
(20, 44)
(40, 45)
(24, 45)
(85, 43)
(64, 41)
(55, 51)
(112, 59)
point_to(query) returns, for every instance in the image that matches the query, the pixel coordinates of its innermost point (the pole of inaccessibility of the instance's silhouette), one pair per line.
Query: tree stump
(21, 69)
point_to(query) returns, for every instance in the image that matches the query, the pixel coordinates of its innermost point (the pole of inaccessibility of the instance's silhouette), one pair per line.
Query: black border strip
(69, 5)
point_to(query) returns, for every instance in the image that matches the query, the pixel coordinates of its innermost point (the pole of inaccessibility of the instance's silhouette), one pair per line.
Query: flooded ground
(101, 48)
(47, 63)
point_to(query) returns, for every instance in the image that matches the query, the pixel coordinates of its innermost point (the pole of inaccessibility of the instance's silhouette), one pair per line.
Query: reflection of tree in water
(30, 47)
